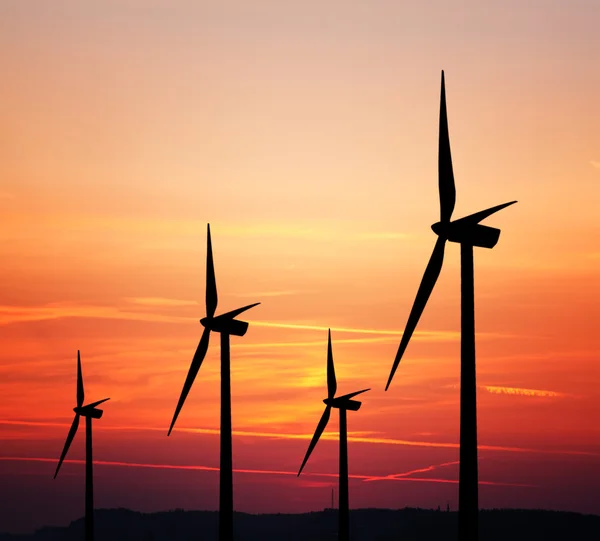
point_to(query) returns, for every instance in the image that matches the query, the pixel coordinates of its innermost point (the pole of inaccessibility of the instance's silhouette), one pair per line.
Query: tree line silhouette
(367, 525)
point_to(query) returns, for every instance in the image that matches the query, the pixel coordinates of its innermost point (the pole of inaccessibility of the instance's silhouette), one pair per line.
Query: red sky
(306, 134)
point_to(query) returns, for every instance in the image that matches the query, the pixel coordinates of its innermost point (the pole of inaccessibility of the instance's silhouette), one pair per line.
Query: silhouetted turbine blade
(211, 282)
(194, 367)
(331, 382)
(80, 393)
(70, 436)
(473, 219)
(427, 284)
(235, 313)
(445, 173)
(351, 395)
(320, 427)
(94, 404)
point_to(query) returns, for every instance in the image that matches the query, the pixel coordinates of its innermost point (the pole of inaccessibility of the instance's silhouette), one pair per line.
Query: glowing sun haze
(306, 134)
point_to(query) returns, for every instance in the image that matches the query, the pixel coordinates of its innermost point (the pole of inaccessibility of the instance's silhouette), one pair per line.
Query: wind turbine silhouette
(89, 412)
(467, 232)
(226, 325)
(343, 403)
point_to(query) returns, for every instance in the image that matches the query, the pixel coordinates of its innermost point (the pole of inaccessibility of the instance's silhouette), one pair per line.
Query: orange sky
(306, 134)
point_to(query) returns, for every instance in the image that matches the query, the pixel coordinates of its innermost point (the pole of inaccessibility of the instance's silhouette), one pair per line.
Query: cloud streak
(160, 301)
(21, 314)
(353, 437)
(396, 476)
(240, 470)
(517, 391)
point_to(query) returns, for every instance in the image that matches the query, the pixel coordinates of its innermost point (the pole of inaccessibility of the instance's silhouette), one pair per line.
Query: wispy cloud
(595, 164)
(316, 343)
(396, 476)
(160, 301)
(326, 436)
(239, 470)
(284, 293)
(429, 335)
(20, 314)
(382, 236)
(523, 392)
(17, 314)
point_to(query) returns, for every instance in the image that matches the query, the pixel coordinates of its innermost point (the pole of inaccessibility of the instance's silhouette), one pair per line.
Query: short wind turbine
(343, 403)
(89, 412)
(467, 232)
(226, 325)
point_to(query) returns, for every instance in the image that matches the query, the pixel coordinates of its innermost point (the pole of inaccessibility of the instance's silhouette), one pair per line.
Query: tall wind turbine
(343, 403)
(467, 232)
(226, 325)
(89, 412)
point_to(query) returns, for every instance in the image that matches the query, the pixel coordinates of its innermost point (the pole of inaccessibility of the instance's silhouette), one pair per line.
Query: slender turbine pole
(468, 477)
(89, 482)
(343, 506)
(226, 474)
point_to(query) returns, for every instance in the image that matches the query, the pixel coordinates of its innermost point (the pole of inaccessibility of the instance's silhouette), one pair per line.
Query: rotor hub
(440, 229)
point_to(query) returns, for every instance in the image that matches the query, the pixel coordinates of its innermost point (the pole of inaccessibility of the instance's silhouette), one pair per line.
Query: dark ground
(365, 525)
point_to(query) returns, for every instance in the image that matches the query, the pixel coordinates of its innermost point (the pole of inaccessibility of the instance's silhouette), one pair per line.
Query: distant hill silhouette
(366, 525)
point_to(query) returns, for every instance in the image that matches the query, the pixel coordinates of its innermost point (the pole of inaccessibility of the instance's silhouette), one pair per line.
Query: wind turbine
(343, 403)
(226, 325)
(89, 412)
(467, 232)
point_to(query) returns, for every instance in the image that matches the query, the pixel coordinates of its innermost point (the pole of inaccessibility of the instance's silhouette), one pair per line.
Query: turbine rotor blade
(331, 382)
(80, 393)
(445, 173)
(351, 395)
(477, 217)
(193, 371)
(94, 404)
(211, 282)
(235, 313)
(70, 436)
(320, 428)
(428, 281)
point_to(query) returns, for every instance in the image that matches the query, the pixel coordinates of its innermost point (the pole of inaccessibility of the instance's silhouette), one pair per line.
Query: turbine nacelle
(478, 235)
(469, 231)
(90, 410)
(352, 405)
(226, 323)
(345, 402)
(234, 327)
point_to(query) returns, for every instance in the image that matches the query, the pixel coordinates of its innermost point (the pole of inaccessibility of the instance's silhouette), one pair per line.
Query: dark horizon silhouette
(407, 524)
(343, 403)
(90, 411)
(467, 232)
(226, 325)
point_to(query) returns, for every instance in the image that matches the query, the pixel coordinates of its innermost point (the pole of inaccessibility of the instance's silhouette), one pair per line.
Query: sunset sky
(305, 133)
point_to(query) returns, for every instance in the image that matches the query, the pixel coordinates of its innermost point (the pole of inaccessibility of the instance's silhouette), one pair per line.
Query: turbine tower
(467, 232)
(226, 325)
(89, 412)
(343, 403)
